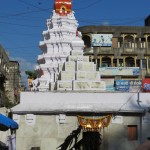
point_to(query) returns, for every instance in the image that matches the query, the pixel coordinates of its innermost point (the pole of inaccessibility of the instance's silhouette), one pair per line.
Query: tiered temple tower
(62, 42)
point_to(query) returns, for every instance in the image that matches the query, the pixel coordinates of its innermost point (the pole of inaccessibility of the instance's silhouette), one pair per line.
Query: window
(128, 42)
(87, 41)
(132, 132)
(143, 63)
(120, 63)
(130, 62)
(149, 63)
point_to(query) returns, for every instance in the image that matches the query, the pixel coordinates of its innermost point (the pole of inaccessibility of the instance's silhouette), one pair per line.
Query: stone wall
(49, 131)
(46, 133)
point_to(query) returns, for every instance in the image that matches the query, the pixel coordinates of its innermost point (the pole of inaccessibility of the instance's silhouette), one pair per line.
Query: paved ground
(144, 146)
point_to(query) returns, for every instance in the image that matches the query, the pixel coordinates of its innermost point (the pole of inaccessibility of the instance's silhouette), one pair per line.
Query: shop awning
(7, 123)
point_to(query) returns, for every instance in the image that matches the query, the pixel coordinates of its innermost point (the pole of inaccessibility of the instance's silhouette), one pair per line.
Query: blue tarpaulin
(7, 123)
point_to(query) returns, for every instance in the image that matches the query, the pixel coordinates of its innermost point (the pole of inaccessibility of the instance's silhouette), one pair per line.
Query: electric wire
(23, 13)
(88, 6)
(129, 99)
(29, 4)
(40, 10)
(20, 24)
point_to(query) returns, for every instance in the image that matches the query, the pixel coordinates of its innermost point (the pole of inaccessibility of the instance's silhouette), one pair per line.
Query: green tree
(31, 74)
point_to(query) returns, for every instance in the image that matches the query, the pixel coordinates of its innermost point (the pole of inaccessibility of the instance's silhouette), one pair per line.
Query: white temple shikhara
(62, 66)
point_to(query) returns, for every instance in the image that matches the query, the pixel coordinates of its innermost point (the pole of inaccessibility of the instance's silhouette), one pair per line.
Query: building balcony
(116, 51)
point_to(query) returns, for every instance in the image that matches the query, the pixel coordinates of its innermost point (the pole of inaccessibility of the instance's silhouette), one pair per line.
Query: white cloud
(105, 23)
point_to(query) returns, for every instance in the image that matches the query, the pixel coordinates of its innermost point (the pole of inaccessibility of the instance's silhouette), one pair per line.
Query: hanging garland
(94, 124)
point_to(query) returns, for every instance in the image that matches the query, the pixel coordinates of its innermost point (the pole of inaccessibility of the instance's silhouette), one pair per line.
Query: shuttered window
(132, 132)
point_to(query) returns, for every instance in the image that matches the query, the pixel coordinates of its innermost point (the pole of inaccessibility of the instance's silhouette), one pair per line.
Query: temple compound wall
(47, 133)
(43, 125)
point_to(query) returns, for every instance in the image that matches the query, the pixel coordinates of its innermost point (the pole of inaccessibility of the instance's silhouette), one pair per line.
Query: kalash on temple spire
(62, 66)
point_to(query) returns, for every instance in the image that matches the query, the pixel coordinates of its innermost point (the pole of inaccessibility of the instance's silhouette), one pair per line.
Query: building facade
(12, 86)
(4, 61)
(10, 80)
(119, 46)
(46, 119)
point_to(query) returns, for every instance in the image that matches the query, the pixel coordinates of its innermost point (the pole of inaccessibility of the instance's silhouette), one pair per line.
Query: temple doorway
(92, 140)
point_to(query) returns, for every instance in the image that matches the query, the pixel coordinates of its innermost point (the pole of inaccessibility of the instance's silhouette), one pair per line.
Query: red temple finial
(63, 7)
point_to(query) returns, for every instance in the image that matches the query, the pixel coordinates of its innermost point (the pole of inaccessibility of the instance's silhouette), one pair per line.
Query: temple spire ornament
(63, 7)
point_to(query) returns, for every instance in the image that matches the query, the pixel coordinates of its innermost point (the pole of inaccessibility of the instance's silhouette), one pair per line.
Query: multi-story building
(9, 79)
(126, 49)
(4, 61)
(12, 86)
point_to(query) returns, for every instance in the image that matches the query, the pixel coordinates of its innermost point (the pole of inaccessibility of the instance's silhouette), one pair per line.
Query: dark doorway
(92, 141)
(87, 41)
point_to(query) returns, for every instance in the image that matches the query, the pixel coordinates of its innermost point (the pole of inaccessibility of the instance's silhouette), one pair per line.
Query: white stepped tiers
(78, 74)
(60, 38)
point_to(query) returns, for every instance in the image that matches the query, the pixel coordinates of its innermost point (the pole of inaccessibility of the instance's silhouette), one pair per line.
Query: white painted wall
(45, 131)
(81, 102)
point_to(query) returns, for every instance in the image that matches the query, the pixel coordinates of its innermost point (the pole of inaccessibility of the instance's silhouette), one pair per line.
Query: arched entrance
(129, 61)
(87, 41)
(106, 62)
(128, 41)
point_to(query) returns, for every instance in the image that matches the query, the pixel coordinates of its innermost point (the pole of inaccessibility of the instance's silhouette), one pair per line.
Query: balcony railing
(116, 51)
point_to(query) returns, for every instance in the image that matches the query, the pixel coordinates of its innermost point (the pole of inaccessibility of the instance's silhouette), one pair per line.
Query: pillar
(112, 58)
(147, 64)
(135, 61)
(96, 61)
(123, 39)
(134, 36)
(100, 60)
(117, 62)
(146, 41)
(118, 44)
(124, 63)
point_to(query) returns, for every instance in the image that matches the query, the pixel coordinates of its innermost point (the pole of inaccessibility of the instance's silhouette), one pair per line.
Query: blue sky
(22, 22)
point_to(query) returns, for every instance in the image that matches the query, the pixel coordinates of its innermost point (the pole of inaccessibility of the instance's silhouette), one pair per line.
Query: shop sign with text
(109, 71)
